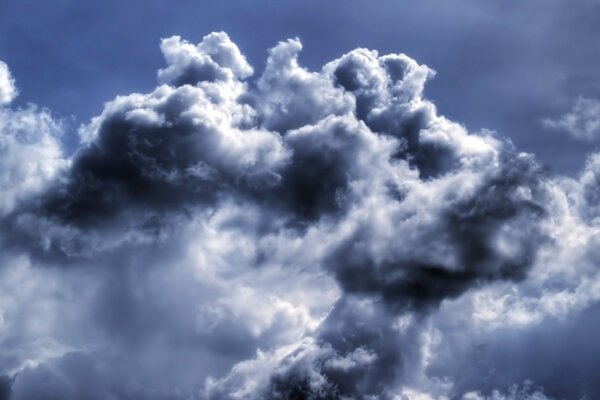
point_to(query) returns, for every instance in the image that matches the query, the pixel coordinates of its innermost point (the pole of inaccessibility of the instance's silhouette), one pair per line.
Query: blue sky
(502, 65)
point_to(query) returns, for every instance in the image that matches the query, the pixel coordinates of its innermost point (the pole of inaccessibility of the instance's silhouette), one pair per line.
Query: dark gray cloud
(301, 235)
(181, 144)
(468, 232)
(363, 354)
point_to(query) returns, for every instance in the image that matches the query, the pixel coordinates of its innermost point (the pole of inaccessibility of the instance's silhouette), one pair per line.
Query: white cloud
(581, 122)
(215, 58)
(8, 90)
(30, 154)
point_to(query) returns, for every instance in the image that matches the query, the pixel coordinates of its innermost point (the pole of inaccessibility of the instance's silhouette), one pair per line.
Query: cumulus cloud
(297, 235)
(215, 58)
(581, 122)
(30, 154)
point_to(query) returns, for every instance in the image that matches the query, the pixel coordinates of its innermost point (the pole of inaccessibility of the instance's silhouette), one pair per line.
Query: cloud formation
(581, 122)
(301, 235)
(8, 90)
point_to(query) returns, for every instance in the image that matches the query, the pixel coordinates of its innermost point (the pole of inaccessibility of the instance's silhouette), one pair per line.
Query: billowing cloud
(30, 154)
(215, 58)
(299, 235)
(581, 122)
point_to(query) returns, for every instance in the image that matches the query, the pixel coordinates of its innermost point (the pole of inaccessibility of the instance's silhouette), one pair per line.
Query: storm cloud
(299, 235)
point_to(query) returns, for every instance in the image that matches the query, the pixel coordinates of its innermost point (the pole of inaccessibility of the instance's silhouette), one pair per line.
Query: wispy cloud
(582, 122)
(8, 90)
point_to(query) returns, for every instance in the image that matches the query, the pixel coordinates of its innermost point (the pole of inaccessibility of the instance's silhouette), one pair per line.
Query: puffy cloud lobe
(333, 164)
(8, 90)
(341, 192)
(215, 58)
(388, 92)
(30, 154)
(477, 231)
(358, 351)
(291, 97)
(171, 148)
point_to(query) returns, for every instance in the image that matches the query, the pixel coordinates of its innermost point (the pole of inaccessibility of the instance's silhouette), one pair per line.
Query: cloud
(301, 234)
(291, 97)
(30, 154)
(8, 90)
(215, 58)
(582, 122)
